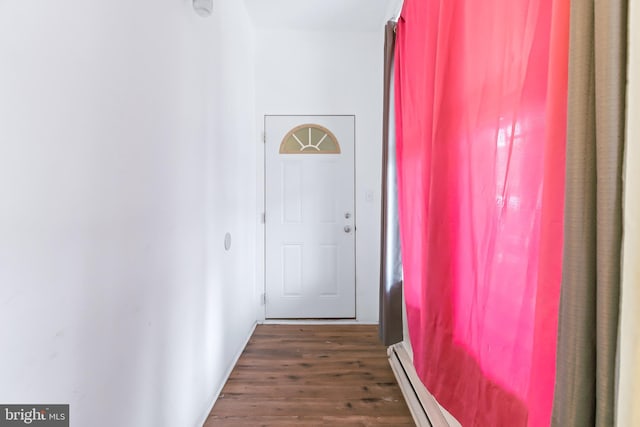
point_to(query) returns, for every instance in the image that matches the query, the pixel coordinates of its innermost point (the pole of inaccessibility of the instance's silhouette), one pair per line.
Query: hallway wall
(628, 387)
(126, 153)
(334, 72)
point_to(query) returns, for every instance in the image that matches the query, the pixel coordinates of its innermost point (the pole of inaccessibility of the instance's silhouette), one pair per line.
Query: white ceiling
(323, 15)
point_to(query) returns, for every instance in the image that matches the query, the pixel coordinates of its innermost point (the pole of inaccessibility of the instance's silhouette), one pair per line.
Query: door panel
(310, 218)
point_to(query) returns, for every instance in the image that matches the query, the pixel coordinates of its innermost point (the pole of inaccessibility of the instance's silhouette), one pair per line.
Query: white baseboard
(316, 322)
(424, 408)
(228, 373)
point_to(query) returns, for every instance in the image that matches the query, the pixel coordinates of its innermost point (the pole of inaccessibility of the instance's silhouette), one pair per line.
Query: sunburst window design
(309, 139)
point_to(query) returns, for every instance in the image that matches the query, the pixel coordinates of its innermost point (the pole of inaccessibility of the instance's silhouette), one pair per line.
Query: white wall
(331, 72)
(126, 152)
(628, 404)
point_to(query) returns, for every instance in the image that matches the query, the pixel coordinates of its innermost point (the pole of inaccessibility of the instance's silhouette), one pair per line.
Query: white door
(310, 218)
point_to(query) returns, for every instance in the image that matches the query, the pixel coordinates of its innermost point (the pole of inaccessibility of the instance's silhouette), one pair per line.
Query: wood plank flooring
(312, 375)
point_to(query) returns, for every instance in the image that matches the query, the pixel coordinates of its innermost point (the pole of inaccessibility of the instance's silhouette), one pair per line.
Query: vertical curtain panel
(589, 304)
(390, 318)
(480, 117)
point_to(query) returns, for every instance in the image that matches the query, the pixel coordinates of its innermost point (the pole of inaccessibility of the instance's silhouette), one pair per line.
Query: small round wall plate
(227, 241)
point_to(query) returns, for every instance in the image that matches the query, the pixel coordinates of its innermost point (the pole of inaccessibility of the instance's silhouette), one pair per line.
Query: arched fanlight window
(309, 139)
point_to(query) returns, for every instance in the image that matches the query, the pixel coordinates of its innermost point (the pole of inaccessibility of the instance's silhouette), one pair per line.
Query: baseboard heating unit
(424, 408)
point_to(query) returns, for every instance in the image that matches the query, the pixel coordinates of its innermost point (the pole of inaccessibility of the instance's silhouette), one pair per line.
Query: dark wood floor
(296, 375)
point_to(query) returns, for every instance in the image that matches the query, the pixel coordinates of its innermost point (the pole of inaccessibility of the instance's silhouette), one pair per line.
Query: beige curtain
(390, 319)
(589, 303)
(628, 411)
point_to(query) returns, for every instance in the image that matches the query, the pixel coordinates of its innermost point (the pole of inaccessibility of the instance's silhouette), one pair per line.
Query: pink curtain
(481, 112)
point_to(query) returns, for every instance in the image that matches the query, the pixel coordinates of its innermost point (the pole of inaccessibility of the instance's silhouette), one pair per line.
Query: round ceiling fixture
(203, 7)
